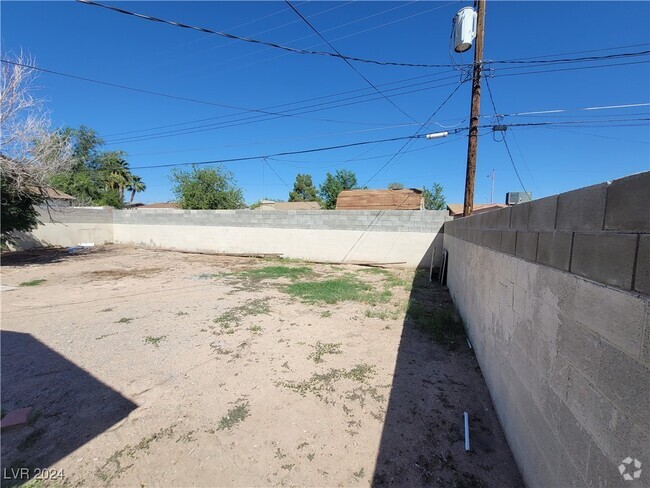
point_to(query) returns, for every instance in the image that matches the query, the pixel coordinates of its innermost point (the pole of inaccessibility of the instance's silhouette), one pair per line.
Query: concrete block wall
(69, 226)
(555, 297)
(408, 237)
(328, 235)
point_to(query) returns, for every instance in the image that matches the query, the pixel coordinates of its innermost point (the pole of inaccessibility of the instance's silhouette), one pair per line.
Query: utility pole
(492, 175)
(472, 146)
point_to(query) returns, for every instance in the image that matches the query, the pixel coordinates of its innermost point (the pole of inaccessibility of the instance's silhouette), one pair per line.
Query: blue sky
(96, 43)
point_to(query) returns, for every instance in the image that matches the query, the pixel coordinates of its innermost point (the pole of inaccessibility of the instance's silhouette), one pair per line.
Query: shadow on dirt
(436, 379)
(70, 406)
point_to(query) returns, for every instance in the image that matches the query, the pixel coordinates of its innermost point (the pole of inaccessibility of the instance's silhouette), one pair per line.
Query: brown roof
(161, 205)
(297, 206)
(456, 209)
(406, 199)
(52, 193)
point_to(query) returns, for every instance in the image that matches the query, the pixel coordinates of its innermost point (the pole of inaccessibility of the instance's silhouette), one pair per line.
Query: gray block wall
(371, 220)
(555, 294)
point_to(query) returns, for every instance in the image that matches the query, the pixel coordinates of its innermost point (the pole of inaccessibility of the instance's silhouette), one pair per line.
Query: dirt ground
(170, 369)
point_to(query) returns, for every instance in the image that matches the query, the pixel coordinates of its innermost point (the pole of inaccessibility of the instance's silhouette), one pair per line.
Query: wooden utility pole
(472, 145)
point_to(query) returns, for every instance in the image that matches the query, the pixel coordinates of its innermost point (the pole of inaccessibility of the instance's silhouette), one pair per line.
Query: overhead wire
(257, 41)
(370, 83)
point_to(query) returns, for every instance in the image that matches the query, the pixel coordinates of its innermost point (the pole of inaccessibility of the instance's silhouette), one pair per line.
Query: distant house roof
(405, 199)
(273, 205)
(297, 205)
(52, 193)
(456, 209)
(160, 205)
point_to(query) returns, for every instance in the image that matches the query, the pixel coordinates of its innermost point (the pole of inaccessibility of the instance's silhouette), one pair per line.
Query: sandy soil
(166, 369)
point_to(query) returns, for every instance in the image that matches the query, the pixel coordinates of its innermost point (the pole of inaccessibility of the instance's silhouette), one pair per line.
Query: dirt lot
(166, 369)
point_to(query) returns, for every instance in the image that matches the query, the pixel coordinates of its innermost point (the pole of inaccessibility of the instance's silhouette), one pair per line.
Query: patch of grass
(33, 282)
(124, 320)
(311, 456)
(346, 288)
(371, 313)
(303, 445)
(258, 306)
(279, 454)
(321, 385)
(116, 274)
(359, 474)
(154, 341)
(234, 416)
(107, 310)
(442, 325)
(326, 314)
(181, 313)
(288, 467)
(322, 348)
(113, 467)
(276, 272)
(104, 336)
(256, 329)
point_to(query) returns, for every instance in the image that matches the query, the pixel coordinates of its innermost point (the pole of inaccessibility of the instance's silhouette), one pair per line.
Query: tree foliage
(434, 199)
(303, 190)
(206, 188)
(96, 177)
(335, 184)
(395, 186)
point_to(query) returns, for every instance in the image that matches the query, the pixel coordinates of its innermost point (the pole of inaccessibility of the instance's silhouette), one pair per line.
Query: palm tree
(116, 171)
(136, 185)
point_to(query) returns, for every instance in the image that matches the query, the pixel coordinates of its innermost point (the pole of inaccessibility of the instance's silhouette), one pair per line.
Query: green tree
(136, 185)
(335, 184)
(206, 188)
(395, 186)
(96, 177)
(303, 190)
(434, 198)
(18, 208)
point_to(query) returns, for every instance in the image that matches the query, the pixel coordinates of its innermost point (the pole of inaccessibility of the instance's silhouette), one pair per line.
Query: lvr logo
(623, 469)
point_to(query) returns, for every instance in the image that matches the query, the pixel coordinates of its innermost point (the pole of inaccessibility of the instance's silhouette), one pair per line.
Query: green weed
(234, 416)
(124, 320)
(276, 272)
(154, 341)
(346, 288)
(322, 348)
(32, 282)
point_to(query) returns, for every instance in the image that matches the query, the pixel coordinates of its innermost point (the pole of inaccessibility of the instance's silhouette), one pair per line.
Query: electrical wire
(397, 154)
(504, 140)
(372, 85)
(286, 153)
(257, 41)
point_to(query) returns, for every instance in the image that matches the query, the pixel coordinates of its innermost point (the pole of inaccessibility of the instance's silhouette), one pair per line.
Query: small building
(456, 209)
(55, 198)
(404, 199)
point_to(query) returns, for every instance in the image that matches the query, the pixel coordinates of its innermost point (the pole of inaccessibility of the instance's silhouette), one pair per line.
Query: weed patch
(234, 416)
(322, 348)
(33, 282)
(124, 320)
(346, 288)
(154, 341)
(442, 325)
(276, 272)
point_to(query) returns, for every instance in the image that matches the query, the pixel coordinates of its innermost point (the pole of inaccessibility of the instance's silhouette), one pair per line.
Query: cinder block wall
(327, 235)
(555, 294)
(68, 226)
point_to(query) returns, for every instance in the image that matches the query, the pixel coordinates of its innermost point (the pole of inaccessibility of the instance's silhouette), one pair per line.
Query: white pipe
(466, 431)
(469, 343)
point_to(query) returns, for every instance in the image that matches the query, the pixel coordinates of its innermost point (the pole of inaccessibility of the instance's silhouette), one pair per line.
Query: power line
(257, 41)
(504, 140)
(347, 61)
(159, 94)
(399, 151)
(287, 153)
